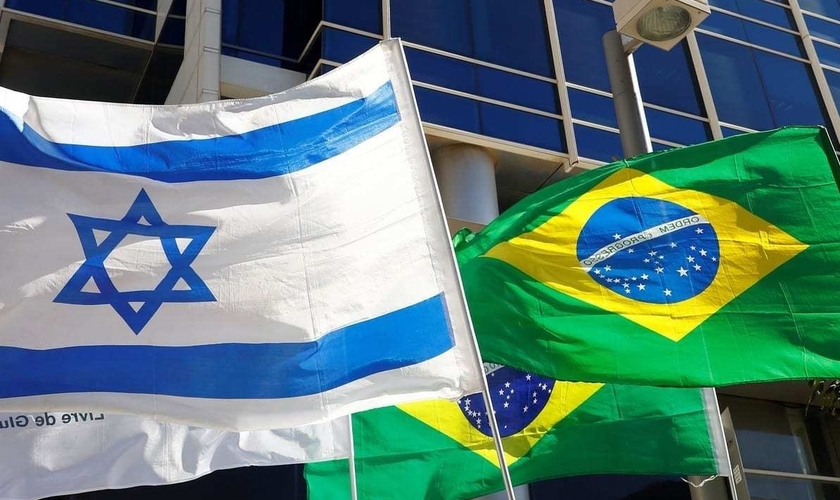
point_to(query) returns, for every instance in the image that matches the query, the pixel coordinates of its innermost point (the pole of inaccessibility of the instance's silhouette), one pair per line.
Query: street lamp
(661, 23)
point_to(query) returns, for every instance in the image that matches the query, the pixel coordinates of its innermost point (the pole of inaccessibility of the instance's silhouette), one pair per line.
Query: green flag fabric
(702, 266)
(442, 449)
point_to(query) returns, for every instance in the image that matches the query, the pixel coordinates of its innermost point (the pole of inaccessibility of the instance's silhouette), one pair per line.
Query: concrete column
(466, 177)
(198, 79)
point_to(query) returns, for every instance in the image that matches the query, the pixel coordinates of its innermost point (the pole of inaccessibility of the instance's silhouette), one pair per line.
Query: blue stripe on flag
(267, 152)
(234, 371)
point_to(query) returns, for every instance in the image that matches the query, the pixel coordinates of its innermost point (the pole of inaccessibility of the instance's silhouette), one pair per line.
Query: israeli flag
(245, 264)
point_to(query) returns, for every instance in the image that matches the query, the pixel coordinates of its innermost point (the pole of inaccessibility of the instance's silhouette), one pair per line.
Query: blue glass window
(749, 90)
(667, 78)
(519, 126)
(93, 14)
(731, 5)
(828, 55)
(442, 71)
(524, 44)
(793, 99)
(823, 29)
(341, 46)
(48, 8)
(172, 32)
(250, 28)
(143, 4)
(729, 132)
(257, 58)
(360, 14)
(754, 33)
(759, 9)
(829, 8)
(517, 89)
(476, 79)
(764, 11)
(725, 25)
(276, 27)
(774, 39)
(489, 119)
(657, 146)
(511, 34)
(675, 128)
(111, 18)
(179, 8)
(737, 88)
(598, 144)
(56, 7)
(581, 24)
(833, 79)
(443, 24)
(448, 110)
(592, 108)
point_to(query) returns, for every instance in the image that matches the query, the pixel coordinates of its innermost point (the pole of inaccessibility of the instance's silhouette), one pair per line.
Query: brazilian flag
(703, 266)
(442, 450)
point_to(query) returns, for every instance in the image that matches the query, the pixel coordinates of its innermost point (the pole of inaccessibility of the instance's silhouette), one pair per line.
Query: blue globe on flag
(649, 250)
(518, 398)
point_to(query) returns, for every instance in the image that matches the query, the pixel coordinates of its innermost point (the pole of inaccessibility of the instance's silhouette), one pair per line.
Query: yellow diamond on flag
(526, 407)
(662, 257)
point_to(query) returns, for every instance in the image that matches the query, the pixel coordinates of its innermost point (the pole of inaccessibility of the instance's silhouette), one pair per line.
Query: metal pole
(497, 440)
(632, 126)
(354, 493)
(386, 19)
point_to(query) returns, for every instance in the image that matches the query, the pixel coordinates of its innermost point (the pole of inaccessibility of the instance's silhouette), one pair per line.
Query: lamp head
(661, 23)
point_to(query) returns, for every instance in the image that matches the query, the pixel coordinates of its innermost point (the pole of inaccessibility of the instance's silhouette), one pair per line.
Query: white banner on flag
(53, 453)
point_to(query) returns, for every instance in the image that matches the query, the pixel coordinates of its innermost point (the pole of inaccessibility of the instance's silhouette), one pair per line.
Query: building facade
(514, 95)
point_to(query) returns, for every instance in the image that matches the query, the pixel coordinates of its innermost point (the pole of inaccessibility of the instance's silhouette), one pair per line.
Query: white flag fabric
(53, 453)
(248, 264)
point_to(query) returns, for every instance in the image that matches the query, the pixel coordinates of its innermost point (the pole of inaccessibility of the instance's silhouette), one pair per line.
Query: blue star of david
(93, 267)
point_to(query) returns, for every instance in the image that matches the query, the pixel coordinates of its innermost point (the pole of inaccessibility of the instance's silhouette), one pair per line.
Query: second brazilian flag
(442, 450)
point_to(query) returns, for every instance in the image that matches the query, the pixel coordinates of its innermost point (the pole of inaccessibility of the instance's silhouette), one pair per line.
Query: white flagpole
(354, 495)
(494, 427)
